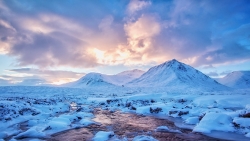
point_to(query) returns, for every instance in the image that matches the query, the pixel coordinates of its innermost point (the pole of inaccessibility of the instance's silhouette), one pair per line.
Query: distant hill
(236, 79)
(103, 80)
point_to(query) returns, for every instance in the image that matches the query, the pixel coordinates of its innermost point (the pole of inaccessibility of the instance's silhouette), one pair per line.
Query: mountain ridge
(98, 79)
(175, 74)
(236, 79)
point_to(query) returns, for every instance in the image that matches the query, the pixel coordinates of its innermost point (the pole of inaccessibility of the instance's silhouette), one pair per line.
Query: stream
(129, 125)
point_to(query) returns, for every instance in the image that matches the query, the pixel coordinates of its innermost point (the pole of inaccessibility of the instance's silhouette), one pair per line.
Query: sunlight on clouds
(137, 50)
(19, 74)
(137, 32)
(141, 32)
(36, 26)
(146, 26)
(190, 60)
(62, 81)
(4, 47)
(99, 55)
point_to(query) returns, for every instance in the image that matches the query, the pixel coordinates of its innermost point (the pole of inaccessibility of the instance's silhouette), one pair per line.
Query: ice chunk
(166, 129)
(214, 121)
(86, 122)
(59, 122)
(34, 132)
(103, 136)
(243, 122)
(162, 128)
(144, 138)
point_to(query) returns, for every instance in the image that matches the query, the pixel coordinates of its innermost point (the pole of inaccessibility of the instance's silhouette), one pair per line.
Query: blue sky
(55, 42)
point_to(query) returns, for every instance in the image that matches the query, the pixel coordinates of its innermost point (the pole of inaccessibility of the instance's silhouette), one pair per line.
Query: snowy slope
(90, 79)
(127, 76)
(175, 74)
(103, 80)
(236, 79)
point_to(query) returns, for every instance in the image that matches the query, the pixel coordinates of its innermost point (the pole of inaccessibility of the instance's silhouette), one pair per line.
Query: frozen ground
(38, 112)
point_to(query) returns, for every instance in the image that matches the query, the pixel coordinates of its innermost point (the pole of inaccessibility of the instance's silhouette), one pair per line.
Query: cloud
(28, 76)
(32, 82)
(7, 31)
(213, 74)
(49, 43)
(140, 32)
(234, 47)
(140, 36)
(137, 5)
(225, 72)
(87, 34)
(4, 82)
(208, 66)
(54, 49)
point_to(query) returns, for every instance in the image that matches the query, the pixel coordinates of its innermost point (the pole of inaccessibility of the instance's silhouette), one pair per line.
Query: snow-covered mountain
(236, 79)
(90, 79)
(174, 74)
(103, 80)
(127, 76)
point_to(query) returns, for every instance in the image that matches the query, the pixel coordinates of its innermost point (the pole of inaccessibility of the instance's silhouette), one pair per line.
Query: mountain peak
(174, 65)
(173, 61)
(175, 74)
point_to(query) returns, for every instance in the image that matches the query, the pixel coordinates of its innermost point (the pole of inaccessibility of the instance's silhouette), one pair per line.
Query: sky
(58, 41)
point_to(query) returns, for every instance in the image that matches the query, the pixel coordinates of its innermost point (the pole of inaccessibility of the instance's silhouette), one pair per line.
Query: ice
(103, 136)
(214, 121)
(58, 124)
(162, 128)
(86, 122)
(144, 138)
(192, 120)
(166, 129)
(242, 122)
(34, 132)
(248, 135)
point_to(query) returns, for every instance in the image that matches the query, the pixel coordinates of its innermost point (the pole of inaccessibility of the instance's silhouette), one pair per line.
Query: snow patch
(215, 121)
(103, 136)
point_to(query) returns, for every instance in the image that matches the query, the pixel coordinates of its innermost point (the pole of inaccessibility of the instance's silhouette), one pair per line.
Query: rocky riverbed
(129, 125)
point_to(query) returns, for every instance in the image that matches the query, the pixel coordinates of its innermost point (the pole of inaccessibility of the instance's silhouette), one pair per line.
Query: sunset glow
(87, 36)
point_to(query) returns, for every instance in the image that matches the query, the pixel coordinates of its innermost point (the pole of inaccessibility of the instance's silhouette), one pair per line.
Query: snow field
(207, 112)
